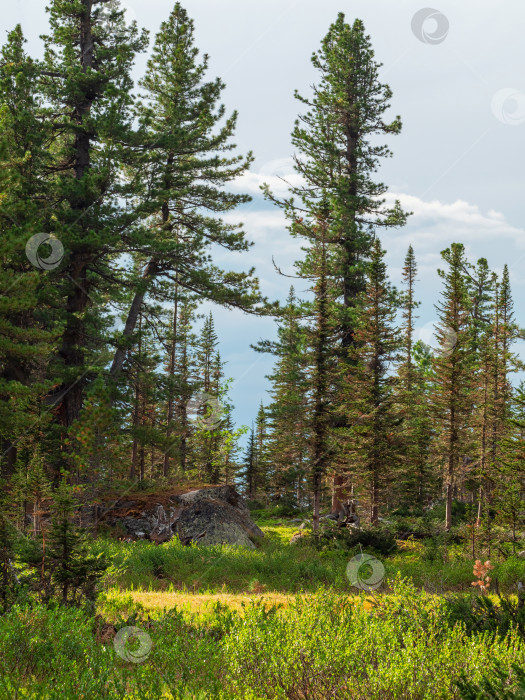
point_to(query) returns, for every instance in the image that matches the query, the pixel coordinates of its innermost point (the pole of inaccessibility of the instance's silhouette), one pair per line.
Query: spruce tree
(453, 366)
(288, 412)
(207, 409)
(337, 155)
(372, 443)
(261, 440)
(510, 485)
(338, 202)
(249, 472)
(38, 488)
(412, 391)
(74, 572)
(185, 379)
(84, 81)
(27, 322)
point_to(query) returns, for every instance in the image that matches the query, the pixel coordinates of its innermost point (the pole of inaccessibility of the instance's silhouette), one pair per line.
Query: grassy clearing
(155, 602)
(193, 603)
(278, 622)
(316, 646)
(278, 567)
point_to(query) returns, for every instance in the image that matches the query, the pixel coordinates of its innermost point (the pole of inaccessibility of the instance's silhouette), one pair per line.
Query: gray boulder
(217, 515)
(207, 516)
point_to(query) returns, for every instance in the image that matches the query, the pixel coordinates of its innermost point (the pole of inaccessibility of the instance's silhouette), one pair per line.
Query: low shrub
(497, 684)
(321, 646)
(378, 541)
(482, 613)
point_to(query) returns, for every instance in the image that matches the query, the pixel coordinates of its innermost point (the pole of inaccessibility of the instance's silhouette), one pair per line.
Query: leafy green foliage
(61, 565)
(264, 652)
(485, 614)
(497, 684)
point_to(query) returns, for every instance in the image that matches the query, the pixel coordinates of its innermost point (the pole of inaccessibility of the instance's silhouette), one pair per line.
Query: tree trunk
(374, 505)
(448, 508)
(73, 338)
(338, 495)
(131, 321)
(316, 506)
(171, 373)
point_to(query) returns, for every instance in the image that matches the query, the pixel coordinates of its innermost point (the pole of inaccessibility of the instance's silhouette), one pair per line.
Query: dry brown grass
(202, 603)
(199, 603)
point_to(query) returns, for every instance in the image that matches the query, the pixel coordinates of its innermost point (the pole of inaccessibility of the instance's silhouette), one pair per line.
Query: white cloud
(278, 174)
(433, 221)
(457, 220)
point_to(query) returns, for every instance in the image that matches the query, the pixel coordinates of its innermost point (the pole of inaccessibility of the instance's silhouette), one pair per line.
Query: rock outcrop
(213, 515)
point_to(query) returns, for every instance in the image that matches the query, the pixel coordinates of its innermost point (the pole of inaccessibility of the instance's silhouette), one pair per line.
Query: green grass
(275, 566)
(322, 646)
(280, 567)
(278, 622)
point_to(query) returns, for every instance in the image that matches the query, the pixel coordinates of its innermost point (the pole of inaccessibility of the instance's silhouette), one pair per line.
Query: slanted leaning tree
(181, 165)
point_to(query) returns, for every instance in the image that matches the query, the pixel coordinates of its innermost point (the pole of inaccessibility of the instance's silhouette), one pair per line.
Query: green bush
(496, 684)
(328, 647)
(379, 541)
(483, 614)
(324, 646)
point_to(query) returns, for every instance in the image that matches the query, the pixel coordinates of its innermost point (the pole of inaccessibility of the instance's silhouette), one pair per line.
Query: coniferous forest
(383, 477)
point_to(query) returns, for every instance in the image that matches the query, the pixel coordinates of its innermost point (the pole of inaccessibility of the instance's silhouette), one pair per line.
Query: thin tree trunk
(131, 321)
(171, 373)
(478, 519)
(448, 508)
(316, 505)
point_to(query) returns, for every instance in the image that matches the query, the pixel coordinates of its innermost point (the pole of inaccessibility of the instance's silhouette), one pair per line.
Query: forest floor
(276, 567)
(280, 621)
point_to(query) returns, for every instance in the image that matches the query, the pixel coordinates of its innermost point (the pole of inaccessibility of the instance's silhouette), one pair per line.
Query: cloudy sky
(457, 71)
